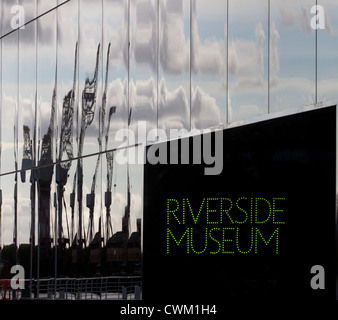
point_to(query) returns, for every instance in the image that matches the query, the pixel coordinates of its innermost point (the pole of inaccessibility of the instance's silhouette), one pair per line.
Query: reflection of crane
(88, 110)
(27, 163)
(126, 217)
(66, 146)
(44, 178)
(107, 195)
(0, 199)
(91, 196)
(27, 160)
(126, 223)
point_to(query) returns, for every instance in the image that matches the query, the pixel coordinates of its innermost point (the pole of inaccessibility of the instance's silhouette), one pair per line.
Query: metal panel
(292, 55)
(327, 48)
(174, 65)
(208, 63)
(247, 59)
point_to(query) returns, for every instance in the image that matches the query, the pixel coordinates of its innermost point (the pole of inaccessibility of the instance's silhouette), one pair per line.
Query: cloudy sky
(187, 68)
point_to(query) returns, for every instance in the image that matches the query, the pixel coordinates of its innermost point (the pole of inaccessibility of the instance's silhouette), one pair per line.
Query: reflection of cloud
(23, 214)
(143, 100)
(246, 60)
(144, 34)
(260, 36)
(205, 111)
(327, 89)
(247, 111)
(305, 20)
(292, 18)
(274, 55)
(233, 58)
(207, 56)
(116, 96)
(173, 107)
(46, 29)
(27, 111)
(174, 47)
(291, 93)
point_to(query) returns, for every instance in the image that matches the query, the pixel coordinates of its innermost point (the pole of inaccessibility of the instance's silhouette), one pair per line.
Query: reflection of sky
(162, 91)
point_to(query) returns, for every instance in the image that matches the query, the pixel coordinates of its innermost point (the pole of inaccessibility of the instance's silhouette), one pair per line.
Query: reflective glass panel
(10, 21)
(115, 117)
(90, 137)
(174, 65)
(46, 137)
(27, 223)
(136, 213)
(1, 17)
(327, 51)
(9, 127)
(292, 55)
(66, 122)
(247, 59)
(208, 63)
(115, 71)
(143, 63)
(10, 243)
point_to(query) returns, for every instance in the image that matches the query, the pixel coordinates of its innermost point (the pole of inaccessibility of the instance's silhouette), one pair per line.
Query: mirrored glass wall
(76, 75)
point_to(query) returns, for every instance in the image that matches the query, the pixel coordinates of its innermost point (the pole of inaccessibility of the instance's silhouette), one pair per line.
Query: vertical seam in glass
(102, 119)
(316, 57)
(32, 228)
(78, 75)
(227, 62)
(56, 226)
(37, 155)
(35, 18)
(1, 19)
(16, 151)
(128, 65)
(157, 62)
(269, 30)
(190, 63)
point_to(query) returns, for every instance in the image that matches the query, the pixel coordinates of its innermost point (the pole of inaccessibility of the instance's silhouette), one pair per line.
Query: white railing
(97, 288)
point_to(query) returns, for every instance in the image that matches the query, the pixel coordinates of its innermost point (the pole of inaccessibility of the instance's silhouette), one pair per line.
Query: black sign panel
(263, 227)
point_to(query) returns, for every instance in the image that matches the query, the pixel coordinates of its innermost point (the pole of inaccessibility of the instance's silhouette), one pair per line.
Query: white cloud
(246, 60)
(205, 111)
(174, 47)
(144, 34)
(291, 17)
(274, 55)
(173, 107)
(207, 56)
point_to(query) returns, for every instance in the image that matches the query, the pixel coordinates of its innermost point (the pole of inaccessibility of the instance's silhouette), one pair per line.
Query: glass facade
(76, 75)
